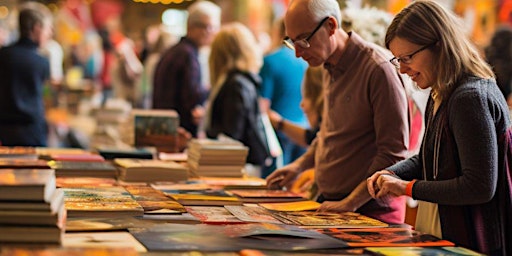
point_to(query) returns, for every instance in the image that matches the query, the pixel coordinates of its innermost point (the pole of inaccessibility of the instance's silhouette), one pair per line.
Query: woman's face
(307, 106)
(420, 61)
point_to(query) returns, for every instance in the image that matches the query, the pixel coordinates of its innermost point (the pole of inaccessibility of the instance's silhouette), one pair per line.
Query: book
(384, 237)
(252, 214)
(115, 239)
(100, 202)
(53, 205)
(111, 153)
(266, 196)
(156, 128)
(76, 157)
(34, 217)
(419, 251)
(213, 215)
(27, 184)
(101, 169)
(31, 234)
(228, 183)
(154, 201)
(79, 224)
(146, 170)
(306, 205)
(206, 197)
(76, 182)
(13, 163)
(18, 152)
(229, 238)
(309, 219)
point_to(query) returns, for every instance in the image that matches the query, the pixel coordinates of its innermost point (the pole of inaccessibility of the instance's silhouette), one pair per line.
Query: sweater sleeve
(474, 132)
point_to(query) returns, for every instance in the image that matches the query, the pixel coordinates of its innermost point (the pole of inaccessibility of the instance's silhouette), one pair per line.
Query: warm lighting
(162, 1)
(4, 12)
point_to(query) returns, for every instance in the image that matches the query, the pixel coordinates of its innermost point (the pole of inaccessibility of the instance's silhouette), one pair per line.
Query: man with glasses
(365, 121)
(177, 79)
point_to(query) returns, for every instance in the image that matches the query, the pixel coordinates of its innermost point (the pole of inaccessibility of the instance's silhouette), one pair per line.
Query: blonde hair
(428, 23)
(313, 88)
(234, 47)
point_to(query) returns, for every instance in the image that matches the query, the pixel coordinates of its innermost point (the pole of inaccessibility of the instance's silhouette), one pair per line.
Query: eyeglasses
(407, 59)
(303, 43)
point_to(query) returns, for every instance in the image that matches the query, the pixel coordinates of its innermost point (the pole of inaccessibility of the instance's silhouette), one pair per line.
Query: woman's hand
(385, 183)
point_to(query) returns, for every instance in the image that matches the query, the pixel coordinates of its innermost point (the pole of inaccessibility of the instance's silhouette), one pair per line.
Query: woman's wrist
(408, 188)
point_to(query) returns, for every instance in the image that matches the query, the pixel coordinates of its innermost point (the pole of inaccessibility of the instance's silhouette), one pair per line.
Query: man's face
(203, 31)
(316, 33)
(43, 32)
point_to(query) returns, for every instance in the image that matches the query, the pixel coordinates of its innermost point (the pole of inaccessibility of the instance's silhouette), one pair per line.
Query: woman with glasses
(461, 174)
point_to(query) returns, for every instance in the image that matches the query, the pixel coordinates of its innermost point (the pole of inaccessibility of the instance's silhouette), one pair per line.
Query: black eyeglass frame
(288, 42)
(407, 59)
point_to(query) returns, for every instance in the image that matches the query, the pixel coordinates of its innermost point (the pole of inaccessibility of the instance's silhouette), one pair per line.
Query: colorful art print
(103, 195)
(152, 200)
(317, 219)
(265, 193)
(213, 215)
(419, 251)
(384, 237)
(252, 214)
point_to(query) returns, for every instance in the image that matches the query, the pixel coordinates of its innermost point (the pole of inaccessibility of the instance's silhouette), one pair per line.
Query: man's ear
(333, 25)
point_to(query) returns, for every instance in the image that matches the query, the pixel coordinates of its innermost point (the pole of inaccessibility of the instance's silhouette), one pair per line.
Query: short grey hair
(320, 9)
(200, 9)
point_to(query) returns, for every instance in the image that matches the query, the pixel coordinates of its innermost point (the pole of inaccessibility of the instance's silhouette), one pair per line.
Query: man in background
(177, 80)
(23, 73)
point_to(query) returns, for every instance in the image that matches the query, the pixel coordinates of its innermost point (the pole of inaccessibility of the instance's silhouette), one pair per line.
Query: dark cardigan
(460, 166)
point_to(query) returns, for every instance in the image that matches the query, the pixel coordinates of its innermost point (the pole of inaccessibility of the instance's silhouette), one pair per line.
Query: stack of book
(215, 158)
(18, 153)
(156, 128)
(31, 207)
(145, 170)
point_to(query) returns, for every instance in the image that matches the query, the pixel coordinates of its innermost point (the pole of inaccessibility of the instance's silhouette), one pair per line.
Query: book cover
(228, 238)
(116, 239)
(419, 251)
(100, 202)
(111, 153)
(252, 214)
(146, 170)
(206, 197)
(266, 196)
(309, 219)
(154, 201)
(156, 128)
(79, 224)
(31, 234)
(27, 184)
(18, 152)
(213, 215)
(384, 237)
(77, 182)
(307, 205)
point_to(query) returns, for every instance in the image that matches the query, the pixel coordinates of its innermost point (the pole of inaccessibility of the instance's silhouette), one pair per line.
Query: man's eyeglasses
(407, 59)
(303, 43)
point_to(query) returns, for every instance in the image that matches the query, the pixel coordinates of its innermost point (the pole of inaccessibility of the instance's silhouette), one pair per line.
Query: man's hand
(283, 177)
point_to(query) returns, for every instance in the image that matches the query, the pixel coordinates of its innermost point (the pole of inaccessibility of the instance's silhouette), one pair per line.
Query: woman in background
(233, 110)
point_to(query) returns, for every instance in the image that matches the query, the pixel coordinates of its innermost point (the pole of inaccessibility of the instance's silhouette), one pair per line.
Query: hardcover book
(8, 163)
(309, 219)
(100, 202)
(18, 152)
(145, 170)
(384, 237)
(27, 184)
(118, 239)
(101, 169)
(156, 128)
(53, 205)
(31, 234)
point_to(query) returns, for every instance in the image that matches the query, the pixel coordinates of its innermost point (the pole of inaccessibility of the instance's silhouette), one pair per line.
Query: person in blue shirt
(280, 91)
